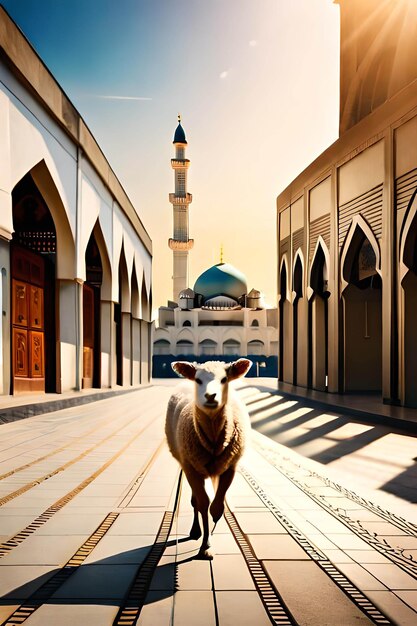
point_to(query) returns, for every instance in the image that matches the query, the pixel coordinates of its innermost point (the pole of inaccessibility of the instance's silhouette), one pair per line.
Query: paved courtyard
(94, 516)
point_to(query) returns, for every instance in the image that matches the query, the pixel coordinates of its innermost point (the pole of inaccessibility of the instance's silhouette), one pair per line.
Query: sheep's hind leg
(202, 500)
(195, 532)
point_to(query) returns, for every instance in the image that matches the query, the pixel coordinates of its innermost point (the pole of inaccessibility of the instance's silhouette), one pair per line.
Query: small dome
(220, 302)
(179, 136)
(222, 279)
(187, 293)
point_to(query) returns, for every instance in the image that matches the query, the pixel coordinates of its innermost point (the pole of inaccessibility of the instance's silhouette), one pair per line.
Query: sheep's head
(211, 380)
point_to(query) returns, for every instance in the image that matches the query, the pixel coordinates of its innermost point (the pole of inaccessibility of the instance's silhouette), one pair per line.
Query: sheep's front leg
(195, 532)
(217, 506)
(202, 503)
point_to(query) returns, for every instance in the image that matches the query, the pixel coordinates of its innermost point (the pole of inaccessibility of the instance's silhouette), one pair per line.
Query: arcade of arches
(114, 348)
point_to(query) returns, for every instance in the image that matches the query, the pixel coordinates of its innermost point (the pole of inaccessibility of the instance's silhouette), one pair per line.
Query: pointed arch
(362, 309)
(135, 293)
(284, 275)
(359, 231)
(124, 283)
(318, 325)
(320, 265)
(145, 308)
(105, 261)
(65, 262)
(408, 304)
(408, 239)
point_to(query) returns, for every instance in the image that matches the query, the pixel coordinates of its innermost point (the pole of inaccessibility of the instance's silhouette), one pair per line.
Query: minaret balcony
(180, 164)
(176, 244)
(187, 199)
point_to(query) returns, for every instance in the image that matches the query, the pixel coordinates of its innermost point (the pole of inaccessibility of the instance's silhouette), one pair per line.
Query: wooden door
(28, 321)
(88, 336)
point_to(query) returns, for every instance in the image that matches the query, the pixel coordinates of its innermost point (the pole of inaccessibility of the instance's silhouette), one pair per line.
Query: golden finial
(221, 254)
(179, 118)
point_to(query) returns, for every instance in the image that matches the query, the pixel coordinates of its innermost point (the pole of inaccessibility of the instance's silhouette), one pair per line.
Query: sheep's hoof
(195, 532)
(216, 511)
(204, 555)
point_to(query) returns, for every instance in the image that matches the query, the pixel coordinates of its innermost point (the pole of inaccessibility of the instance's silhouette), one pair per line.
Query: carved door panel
(28, 349)
(20, 303)
(36, 307)
(88, 336)
(20, 352)
(36, 353)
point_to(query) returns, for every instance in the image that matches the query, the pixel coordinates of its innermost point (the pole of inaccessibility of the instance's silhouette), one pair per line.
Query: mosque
(218, 318)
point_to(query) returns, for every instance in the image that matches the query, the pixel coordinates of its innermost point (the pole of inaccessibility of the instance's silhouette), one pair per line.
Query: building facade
(347, 225)
(75, 258)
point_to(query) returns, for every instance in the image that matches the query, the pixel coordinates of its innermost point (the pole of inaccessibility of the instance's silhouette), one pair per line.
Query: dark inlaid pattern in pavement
(342, 582)
(299, 475)
(51, 586)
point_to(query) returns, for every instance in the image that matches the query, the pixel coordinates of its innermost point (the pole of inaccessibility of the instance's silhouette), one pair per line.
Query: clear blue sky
(256, 82)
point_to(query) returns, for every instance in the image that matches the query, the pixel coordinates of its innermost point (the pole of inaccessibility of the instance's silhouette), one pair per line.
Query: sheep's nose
(210, 397)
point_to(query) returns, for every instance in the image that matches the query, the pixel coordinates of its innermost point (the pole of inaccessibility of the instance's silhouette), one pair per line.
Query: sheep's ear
(238, 368)
(184, 369)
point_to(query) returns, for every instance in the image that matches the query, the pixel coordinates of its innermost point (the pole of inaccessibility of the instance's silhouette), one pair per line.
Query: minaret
(180, 244)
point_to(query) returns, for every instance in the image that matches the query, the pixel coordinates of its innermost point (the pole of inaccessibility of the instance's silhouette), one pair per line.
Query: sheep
(206, 432)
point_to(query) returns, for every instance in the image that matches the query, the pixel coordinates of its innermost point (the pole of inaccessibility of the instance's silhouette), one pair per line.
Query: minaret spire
(180, 243)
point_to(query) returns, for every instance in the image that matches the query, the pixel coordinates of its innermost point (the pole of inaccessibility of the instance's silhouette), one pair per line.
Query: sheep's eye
(198, 381)
(223, 380)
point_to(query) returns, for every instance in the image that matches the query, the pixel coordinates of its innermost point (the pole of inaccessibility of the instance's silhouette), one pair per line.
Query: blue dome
(179, 136)
(222, 279)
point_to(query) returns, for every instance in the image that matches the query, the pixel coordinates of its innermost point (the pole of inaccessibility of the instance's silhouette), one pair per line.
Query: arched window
(186, 323)
(256, 347)
(255, 323)
(185, 346)
(161, 346)
(208, 347)
(231, 347)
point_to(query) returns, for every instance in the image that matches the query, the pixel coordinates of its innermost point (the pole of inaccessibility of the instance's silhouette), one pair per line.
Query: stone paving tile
(224, 544)
(231, 573)
(194, 608)
(6, 610)
(134, 523)
(405, 541)
(313, 599)
(326, 523)
(367, 556)
(258, 522)
(121, 550)
(382, 528)
(10, 525)
(340, 502)
(242, 607)
(18, 582)
(322, 542)
(391, 575)
(360, 577)
(70, 614)
(277, 547)
(338, 556)
(410, 597)
(348, 541)
(393, 607)
(157, 610)
(93, 582)
(71, 524)
(164, 577)
(44, 550)
(193, 575)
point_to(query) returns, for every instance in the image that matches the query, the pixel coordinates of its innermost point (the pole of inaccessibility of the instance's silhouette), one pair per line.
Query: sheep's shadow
(105, 581)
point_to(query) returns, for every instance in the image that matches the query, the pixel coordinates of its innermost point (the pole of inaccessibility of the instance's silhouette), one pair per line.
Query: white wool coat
(209, 445)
